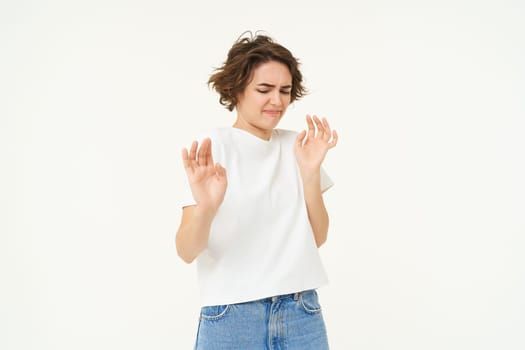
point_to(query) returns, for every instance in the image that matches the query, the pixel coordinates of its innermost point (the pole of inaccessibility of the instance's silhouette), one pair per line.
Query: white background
(97, 98)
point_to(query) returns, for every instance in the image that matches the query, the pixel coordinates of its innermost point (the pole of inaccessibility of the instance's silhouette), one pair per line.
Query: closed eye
(284, 92)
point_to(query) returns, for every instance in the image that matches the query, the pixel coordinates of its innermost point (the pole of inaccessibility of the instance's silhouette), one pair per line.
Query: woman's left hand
(311, 147)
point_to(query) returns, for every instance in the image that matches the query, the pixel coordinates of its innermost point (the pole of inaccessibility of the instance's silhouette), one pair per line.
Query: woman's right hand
(207, 180)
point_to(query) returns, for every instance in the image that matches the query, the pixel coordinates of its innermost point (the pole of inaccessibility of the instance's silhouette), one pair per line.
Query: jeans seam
(310, 311)
(216, 317)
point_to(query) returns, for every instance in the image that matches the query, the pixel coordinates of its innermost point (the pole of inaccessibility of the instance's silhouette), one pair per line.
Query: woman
(254, 214)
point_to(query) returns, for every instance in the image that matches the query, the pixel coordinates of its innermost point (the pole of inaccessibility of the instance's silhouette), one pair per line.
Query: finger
(320, 127)
(311, 127)
(220, 170)
(203, 150)
(193, 151)
(335, 137)
(299, 139)
(185, 159)
(209, 156)
(327, 130)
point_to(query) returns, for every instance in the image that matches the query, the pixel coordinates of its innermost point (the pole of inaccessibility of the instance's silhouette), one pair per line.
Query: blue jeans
(292, 321)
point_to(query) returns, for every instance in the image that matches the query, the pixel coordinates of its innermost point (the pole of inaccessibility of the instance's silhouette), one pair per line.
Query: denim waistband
(294, 296)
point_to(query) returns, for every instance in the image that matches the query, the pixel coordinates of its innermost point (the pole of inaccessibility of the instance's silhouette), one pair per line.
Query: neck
(252, 129)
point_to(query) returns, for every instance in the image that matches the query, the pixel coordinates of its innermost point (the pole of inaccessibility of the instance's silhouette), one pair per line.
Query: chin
(273, 125)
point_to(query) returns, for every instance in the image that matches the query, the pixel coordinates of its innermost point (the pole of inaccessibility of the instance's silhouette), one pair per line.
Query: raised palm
(311, 146)
(207, 180)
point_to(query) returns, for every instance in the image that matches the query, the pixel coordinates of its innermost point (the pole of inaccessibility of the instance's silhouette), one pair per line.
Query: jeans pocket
(215, 312)
(310, 301)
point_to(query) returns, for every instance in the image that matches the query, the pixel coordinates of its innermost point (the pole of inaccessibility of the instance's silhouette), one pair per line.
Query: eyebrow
(271, 86)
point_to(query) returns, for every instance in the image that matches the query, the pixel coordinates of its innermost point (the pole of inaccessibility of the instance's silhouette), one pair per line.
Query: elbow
(320, 241)
(183, 253)
(187, 258)
(322, 235)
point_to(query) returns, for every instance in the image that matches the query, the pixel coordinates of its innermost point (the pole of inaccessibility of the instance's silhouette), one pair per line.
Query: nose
(275, 98)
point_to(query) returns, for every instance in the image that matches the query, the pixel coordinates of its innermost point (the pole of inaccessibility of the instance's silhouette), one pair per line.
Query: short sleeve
(326, 181)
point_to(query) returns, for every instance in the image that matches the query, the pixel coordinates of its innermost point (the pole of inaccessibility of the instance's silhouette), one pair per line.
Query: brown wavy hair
(246, 54)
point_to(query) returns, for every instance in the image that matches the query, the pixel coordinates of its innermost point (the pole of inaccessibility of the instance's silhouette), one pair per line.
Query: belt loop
(296, 296)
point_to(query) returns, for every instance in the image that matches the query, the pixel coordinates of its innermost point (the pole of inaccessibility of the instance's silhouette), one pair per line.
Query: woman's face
(263, 102)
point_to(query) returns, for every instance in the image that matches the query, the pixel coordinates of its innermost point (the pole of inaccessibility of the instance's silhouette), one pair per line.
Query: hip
(290, 321)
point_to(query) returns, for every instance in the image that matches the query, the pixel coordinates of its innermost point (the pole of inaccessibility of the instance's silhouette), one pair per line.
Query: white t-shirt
(261, 242)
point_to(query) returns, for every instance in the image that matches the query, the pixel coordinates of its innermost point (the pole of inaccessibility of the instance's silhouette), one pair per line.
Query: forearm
(317, 213)
(193, 233)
